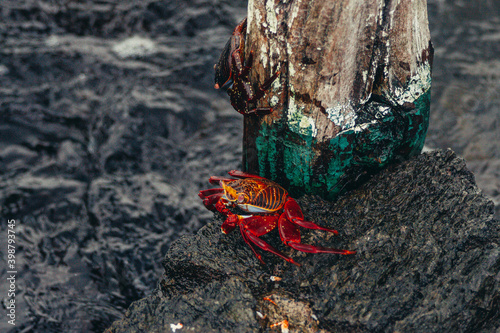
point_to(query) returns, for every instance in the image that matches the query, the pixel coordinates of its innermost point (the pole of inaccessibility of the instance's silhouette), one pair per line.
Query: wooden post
(353, 94)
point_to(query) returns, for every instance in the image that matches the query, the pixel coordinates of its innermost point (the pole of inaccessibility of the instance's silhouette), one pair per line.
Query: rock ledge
(428, 261)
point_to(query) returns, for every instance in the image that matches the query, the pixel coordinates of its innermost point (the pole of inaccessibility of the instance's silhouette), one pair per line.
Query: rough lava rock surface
(428, 260)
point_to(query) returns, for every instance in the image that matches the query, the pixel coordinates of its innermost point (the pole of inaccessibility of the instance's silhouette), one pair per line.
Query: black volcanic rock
(427, 260)
(107, 117)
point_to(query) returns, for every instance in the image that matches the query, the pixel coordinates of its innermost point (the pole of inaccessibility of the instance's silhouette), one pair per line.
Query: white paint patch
(293, 16)
(359, 128)
(306, 123)
(264, 56)
(250, 15)
(383, 111)
(291, 68)
(274, 53)
(419, 84)
(276, 85)
(364, 73)
(274, 101)
(342, 115)
(271, 17)
(298, 122)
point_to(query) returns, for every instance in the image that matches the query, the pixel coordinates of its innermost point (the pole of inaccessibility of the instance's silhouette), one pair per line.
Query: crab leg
(266, 247)
(294, 214)
(290, 235)
(254, 226)
(236, 59)
(230, 223)
(216, 180)
(242, 70)
(249, 243)
(242, 174)
(265, 86)
(259, 111)
(211, 197)
(207, 193)
(236, 63)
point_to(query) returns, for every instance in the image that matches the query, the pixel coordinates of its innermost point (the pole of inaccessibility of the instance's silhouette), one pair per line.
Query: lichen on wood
(353, 94)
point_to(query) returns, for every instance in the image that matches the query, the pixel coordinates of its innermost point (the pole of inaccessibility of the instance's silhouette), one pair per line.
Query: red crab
(268, 205)
(232, 74)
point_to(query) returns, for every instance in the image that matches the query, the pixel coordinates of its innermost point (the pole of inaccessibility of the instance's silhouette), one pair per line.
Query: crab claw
(211, 197)
(242, 174)
(294, 214)
(215, 180)
(290, 235)
(230, 223)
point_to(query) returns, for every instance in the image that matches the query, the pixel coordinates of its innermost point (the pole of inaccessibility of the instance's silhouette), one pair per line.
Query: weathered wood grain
(353, 93)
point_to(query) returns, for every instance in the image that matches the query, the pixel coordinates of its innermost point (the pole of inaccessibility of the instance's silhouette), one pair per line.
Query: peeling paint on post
(353, 94)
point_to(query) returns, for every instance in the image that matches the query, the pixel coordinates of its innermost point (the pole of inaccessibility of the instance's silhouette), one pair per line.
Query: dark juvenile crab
(231, 73)
(268, 206)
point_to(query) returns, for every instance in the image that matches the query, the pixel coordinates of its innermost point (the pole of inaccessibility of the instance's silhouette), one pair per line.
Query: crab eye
(242, 197)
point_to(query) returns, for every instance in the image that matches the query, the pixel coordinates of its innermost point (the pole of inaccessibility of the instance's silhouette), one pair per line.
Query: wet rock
(135, 47)
(428, 260)
(465, 87)
(105, 140)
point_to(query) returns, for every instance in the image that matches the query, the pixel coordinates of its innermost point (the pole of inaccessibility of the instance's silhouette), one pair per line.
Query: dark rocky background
(110, 125)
